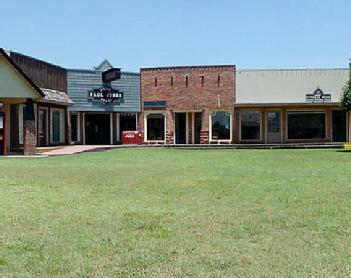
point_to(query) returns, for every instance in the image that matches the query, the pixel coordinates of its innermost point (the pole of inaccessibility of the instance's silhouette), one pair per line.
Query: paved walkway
(74, 149)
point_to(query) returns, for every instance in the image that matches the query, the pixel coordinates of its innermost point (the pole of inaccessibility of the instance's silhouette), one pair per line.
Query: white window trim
(83, 127)
(111, 128)
(250, 140)
(231, 126)
(62, 127)
(145, 126)
(118, 127)
(306, 111)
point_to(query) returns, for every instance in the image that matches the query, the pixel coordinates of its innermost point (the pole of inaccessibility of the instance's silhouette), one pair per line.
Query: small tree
(345, 100)
(346, 96)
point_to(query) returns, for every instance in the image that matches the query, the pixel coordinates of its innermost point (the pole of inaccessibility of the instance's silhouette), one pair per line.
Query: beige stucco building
(290, 106)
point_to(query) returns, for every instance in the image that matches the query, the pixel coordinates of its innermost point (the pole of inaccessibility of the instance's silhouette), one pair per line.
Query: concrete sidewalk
(75, 149)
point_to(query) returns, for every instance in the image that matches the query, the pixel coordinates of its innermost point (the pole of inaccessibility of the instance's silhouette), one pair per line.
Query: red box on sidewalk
(131, 137)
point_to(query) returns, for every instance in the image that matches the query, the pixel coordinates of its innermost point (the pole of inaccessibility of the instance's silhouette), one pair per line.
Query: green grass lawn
(166, 212)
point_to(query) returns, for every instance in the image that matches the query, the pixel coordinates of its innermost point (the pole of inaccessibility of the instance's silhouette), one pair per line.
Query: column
(29, 132)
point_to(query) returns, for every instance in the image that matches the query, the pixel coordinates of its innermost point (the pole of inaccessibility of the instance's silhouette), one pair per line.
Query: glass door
(42, 127)
(273, 127)
(2, 134)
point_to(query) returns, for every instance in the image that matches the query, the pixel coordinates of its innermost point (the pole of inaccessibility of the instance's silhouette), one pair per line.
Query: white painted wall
(12, 85)
(288, 86)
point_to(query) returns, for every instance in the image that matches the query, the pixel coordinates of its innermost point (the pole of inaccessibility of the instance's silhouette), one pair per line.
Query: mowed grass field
(177, 213)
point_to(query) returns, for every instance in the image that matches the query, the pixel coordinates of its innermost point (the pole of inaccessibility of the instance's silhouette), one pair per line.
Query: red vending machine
(131, 138)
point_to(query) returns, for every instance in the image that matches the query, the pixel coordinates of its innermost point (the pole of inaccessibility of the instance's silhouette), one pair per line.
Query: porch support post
(29, 132)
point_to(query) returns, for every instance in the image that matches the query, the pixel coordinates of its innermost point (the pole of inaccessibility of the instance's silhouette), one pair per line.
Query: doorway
(42, 127)
(273, 127)
(127, 122)
(197, 127)
(74, 128)
(339, 125)
(180, 128)
(97, 129)
(2, 134)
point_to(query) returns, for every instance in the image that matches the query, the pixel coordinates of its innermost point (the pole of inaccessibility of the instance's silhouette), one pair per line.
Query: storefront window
(155, 127)
(250, 125)
(220, 125)
(306, 125)
(56, 126)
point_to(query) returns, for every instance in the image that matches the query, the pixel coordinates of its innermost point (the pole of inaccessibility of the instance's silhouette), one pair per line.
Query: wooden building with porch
(33, 104)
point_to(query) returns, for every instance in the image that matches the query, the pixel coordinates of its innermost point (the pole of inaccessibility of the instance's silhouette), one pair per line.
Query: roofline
(95, 71)
(187, 67)
(271, 104)
(36, 59)
(21, 72)
(291, 69)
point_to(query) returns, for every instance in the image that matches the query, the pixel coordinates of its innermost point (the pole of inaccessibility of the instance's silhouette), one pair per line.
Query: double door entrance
(97, 129)
(187, 127)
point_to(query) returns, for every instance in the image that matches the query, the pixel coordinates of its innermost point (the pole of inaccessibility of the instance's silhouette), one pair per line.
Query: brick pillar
(29, 133)
(170, 128)
(204, 134)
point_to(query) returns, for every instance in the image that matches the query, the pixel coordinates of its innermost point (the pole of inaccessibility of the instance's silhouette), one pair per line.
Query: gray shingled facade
(80, 82)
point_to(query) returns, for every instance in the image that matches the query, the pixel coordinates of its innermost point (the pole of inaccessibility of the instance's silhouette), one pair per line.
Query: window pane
(306, 125)
(250, 125)
(220, 125)
(273, 122)
(156, 127)
(56, 126)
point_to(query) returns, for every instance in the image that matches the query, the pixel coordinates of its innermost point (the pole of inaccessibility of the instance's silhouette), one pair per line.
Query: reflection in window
(250, 125)
(220, 125)
(155, 127)
(306, 125)
(56, 126)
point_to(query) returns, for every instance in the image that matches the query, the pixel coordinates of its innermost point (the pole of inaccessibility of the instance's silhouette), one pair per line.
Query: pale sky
(149, 33)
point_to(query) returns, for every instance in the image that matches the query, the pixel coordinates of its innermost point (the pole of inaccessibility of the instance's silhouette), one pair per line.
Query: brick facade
(30, 140)
(187, 89)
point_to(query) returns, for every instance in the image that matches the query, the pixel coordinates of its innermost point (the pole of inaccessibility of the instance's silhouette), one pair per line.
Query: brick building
(187, 105)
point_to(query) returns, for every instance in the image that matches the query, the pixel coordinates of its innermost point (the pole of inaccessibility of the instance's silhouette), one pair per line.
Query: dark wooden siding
(43, 74)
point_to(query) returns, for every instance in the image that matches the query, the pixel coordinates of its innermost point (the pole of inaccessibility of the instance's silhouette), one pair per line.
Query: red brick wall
(29, 138)
(202, 93)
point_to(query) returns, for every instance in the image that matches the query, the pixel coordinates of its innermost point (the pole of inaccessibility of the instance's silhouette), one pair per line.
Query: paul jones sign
(105, 95)
(318, 96)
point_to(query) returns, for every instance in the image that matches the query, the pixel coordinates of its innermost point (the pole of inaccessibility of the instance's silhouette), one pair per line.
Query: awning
(55, 97)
